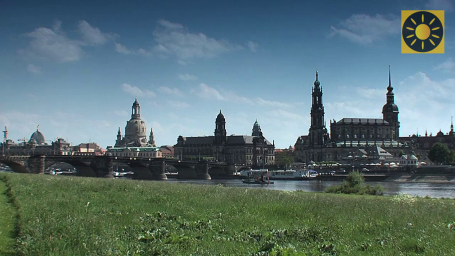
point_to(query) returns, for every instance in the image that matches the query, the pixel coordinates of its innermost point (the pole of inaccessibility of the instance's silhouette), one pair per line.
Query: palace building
(347, 135)
(254, 150)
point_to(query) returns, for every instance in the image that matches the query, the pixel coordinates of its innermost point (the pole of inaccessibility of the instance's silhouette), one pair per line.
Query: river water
(421, 189)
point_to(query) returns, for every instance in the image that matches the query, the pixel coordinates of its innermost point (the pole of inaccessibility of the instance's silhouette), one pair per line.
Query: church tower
(152, 138)
(118, 142)
(317, 130)
(256, 129)
(390, 111)
(220, 130)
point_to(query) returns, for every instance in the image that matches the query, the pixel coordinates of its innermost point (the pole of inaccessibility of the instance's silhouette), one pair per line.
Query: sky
(75, 67)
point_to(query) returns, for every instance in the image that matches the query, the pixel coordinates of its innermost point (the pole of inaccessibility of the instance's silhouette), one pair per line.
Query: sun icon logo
(423, 32)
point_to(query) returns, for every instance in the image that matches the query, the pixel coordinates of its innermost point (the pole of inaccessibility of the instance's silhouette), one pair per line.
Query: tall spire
(119, 131)
(5, 134)
(37, 127)
(152, 138)
(390, 79)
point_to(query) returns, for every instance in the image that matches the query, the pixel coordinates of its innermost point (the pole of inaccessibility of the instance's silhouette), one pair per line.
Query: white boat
(284, 174)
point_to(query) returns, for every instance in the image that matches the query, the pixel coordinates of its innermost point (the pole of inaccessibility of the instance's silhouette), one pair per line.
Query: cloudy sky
(75, 67)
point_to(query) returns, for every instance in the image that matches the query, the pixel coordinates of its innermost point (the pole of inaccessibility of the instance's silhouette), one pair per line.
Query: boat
(293, 174)
(258, 177)
(282, 174)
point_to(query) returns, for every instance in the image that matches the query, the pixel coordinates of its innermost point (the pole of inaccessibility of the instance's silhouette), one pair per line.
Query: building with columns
(348, 135)
(254, 150)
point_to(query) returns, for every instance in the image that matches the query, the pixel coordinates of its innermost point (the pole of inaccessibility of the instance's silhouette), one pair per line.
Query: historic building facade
(36, 145)
(254, 150)
(348, 135)
(421, 144)
(135, 142)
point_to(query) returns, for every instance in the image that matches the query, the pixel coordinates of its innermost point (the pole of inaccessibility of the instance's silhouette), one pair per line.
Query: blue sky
(75, 67)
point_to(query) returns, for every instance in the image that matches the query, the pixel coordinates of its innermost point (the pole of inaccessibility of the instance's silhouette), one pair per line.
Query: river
(421, 189)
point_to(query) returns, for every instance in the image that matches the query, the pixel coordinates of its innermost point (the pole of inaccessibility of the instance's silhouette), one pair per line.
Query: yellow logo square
(422, 31)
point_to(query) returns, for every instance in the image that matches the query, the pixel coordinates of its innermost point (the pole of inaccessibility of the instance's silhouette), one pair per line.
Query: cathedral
(135, 131)
(254, 150)
(349, 134)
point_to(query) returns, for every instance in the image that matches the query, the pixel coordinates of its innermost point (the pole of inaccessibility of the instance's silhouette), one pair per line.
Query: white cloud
(93, 35)
(206, 92)
(168, 90)
(187, 77)
(121, 113)
(121, 49)
(33, 69)
(423, 104)
(252, 45)
(174, 39)
(136, 91)
(446, 5)
(447, 66)
(365, 29)
(178, 104)
(53, 45)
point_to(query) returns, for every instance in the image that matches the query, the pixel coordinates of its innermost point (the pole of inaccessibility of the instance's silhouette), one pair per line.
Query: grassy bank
(7, 221)
(85, 216)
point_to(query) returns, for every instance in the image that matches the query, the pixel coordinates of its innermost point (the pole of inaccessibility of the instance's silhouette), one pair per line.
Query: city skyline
(75, 72)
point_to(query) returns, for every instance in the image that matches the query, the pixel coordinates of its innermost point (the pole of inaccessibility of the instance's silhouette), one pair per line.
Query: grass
(7, 221)
(93, 216)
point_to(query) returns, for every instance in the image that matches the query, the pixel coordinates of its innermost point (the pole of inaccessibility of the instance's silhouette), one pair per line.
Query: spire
(5, 134)
(451, 123)
(390, 88)
(317, 83)
(119, 131)
(37, 127)
(152, 138)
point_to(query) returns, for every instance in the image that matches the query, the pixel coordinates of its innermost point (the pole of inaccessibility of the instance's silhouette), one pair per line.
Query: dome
(392, 107)
(38, 137)
(220, 117)
(413, 157)
(136, 132)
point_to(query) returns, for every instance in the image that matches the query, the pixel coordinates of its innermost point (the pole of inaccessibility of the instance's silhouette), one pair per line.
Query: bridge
(103, 166)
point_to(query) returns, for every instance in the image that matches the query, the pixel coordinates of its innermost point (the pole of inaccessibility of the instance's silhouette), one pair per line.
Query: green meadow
(48, 215)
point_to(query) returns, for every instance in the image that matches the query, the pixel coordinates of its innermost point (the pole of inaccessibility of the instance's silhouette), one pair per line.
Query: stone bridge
(102, 166)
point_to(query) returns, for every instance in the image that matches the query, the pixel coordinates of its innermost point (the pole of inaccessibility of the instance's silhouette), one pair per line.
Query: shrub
(353, 184)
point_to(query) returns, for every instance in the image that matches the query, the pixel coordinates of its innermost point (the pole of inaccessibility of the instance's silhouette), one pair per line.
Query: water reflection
(435, 190)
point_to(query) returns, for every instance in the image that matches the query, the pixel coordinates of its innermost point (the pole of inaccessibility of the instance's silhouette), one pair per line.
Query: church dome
(220, 117)
(38, 137)
(390, 107)
(136, 132)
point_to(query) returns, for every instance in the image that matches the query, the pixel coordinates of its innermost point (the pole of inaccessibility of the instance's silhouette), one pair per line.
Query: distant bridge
(102, 166)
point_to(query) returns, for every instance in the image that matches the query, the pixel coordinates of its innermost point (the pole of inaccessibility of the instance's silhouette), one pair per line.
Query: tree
(284, 159)
(401, 153)
(440, 154)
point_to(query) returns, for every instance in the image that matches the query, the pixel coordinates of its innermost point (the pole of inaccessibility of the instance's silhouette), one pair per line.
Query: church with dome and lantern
(135, 142)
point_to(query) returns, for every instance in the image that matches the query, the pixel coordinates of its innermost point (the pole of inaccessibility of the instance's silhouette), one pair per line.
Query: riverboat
(284, 174)
(258, 177)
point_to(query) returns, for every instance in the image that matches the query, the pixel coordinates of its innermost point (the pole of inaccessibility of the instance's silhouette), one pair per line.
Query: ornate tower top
(136, 110)
(317, 83)
(256, 129)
